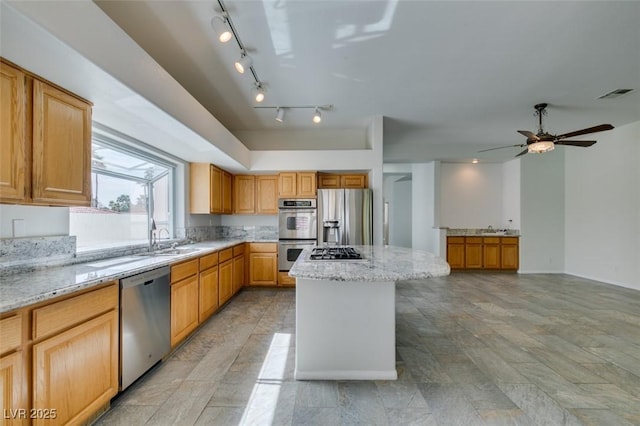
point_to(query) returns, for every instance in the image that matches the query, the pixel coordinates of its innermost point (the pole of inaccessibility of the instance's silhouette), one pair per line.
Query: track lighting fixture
(317, 117)
(258, 92)
(244, 63)
(219, 25)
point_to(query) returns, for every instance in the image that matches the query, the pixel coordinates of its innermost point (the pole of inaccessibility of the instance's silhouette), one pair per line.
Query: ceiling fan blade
(594, 129)
(500, 147)
(575, 143)
(529, 135)
(523, 152)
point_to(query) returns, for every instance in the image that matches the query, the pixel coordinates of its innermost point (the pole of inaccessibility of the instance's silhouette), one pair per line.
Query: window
(131, 189)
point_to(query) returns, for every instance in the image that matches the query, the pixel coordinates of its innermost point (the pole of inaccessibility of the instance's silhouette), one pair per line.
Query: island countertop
(380, 263)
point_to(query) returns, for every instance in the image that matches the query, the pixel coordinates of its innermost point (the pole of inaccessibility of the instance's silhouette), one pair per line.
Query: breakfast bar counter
(345, 311)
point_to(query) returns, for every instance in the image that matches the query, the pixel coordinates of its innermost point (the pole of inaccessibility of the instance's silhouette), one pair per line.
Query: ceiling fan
(543, 141)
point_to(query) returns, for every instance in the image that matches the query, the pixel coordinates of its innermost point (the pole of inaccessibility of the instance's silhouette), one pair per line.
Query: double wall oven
(297, 229)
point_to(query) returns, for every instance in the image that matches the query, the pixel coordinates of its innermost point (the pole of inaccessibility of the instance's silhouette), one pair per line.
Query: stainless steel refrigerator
(345, 217)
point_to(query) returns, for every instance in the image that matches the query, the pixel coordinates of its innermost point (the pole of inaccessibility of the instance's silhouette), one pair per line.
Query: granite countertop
(381, 263)
(490, 235)
(23, 289)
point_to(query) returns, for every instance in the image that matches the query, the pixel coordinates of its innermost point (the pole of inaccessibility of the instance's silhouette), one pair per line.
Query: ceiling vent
(615, 93)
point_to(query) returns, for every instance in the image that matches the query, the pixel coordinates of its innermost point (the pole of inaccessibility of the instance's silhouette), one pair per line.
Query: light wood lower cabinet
(495, 253)
(75, 372)
(263, 264)
(12, 393)
(208, 293)
(238, 273)
(184, 300)
(225, 277)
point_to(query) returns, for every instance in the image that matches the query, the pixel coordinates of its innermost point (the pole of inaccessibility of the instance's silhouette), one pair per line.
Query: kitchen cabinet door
(263, 269)
(215, 188)
(509, 255)
(76, 372)
(267, 194)
(455, 252)
(306, 183)
(353, 181)
(225, 277)
(227, 191)
(328, 181)
(13, 141)
(11, 387)
(208, 293)
(244, 194)
(184, 308)
(287, 184)
(61, 168)
(473, 253)
(491, 256)
(238, 273)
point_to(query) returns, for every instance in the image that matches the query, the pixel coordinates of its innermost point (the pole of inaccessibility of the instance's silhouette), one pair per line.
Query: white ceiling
(449, 77)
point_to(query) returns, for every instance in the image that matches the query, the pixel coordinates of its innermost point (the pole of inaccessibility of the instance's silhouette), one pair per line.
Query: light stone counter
(345, 311)
(381, 263)
(26, 288)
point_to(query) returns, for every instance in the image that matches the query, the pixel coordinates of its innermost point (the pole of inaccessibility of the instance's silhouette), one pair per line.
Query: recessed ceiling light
(474, 161)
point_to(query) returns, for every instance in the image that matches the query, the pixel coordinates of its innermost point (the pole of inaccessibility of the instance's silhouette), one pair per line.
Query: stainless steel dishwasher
(145, 323)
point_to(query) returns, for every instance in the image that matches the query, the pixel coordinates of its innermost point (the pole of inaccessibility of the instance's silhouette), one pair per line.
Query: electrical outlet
(19, 228)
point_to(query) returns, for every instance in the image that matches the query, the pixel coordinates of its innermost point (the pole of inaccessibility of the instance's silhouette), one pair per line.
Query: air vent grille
(615, 93)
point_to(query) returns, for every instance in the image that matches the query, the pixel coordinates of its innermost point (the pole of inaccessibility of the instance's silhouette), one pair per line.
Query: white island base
(345, 330)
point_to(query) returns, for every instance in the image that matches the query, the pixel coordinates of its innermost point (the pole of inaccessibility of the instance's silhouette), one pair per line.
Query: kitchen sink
(170, 252)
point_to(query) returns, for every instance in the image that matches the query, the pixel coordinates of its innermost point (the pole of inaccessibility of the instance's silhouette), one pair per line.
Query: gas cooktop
(335, 253)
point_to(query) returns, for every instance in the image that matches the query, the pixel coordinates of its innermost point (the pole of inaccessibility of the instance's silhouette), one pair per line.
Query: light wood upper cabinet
(13, 141)
(244, 194)
(267, 194)
(297, 184)
(255, 194)
(334, 181)
(61, 148)
(45, 141)
(210, 189)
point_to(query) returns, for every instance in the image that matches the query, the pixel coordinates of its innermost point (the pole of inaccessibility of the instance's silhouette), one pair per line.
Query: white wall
(399, 196)
(38, 221)
(603, 208)
(425, 236)
(542, 212)
(511, 195)
(471, 195)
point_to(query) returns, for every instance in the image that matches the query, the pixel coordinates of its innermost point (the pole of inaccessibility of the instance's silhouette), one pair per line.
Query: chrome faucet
(490, 228)
(152, 236)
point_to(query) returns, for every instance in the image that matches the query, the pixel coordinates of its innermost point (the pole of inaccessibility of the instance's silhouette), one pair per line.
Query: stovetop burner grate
(335, 253)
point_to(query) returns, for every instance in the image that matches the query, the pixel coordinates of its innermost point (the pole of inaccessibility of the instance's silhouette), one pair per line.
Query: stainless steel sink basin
(169, 252)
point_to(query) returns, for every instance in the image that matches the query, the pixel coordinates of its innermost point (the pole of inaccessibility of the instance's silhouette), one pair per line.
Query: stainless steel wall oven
(297, 229)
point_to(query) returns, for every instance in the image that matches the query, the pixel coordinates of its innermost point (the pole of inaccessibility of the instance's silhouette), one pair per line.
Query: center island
(345, 311)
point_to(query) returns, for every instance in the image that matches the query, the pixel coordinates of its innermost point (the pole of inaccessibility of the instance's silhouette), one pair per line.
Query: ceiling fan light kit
(545, 142)
(225, 30)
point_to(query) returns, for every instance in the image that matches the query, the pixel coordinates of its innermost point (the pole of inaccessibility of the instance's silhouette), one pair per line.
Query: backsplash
(23, 254)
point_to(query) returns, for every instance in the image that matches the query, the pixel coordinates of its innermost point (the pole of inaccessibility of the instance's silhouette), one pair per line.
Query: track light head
(317, 117)
(258, 92)
(244, 63)
(279, 115)
(219, 25)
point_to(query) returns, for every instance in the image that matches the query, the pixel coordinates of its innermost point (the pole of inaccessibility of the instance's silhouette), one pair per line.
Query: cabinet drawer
(473, 240)
(183, 270)
(10, 333)
(455, 240)
(225, 255)
(238, 250)
(509, 240)
(61, 315)
(263, 248)
(208, 261)
(491, 240)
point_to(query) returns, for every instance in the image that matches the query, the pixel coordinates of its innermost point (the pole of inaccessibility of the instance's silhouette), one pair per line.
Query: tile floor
(472, 349)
